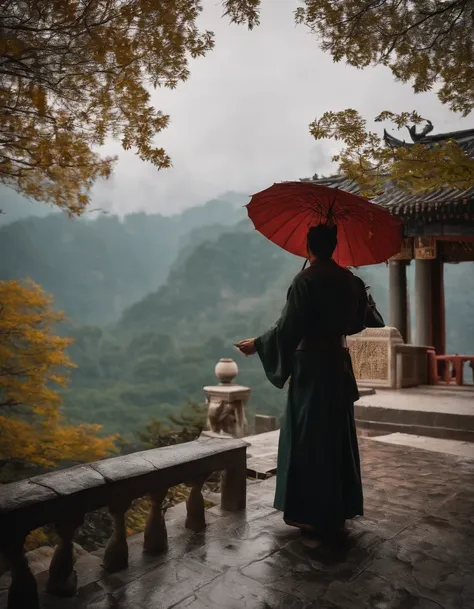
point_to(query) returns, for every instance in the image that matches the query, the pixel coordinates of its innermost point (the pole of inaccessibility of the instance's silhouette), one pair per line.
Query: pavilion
(438, 229)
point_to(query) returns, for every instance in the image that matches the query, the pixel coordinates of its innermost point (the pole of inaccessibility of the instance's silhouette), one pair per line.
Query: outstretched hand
(247, 346)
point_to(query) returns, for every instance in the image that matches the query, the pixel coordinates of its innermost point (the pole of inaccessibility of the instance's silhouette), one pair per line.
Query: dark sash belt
(322, 343)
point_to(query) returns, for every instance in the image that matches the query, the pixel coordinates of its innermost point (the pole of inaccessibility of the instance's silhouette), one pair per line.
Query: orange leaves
(423, 43)
(80, 75)
(33, 363)
(366, 159)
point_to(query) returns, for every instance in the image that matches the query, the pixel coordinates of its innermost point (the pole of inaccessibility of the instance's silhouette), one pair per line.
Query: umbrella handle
(304, 265)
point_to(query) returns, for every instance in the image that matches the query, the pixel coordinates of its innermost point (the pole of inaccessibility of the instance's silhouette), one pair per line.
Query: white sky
(241, 121)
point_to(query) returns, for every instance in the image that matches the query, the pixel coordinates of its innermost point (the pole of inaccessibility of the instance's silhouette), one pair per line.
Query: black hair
(322, 240)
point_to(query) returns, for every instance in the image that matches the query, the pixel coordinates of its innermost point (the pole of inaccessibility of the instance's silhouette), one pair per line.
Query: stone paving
(412, 550)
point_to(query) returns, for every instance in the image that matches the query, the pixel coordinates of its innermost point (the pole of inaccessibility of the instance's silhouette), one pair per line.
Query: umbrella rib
(295, 229)
(347, 240)
(262, 226)
(271, 220)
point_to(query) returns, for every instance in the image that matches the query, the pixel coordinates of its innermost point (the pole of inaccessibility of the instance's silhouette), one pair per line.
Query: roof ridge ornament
(416, 137)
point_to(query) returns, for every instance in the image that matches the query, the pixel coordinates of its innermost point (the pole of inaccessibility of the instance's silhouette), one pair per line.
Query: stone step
(464, 450)
(383, 427)
(415, 417)
(425, 411)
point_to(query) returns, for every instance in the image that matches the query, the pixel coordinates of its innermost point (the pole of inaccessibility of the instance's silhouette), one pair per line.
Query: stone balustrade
(381, 358)
(63, 497)
(226, 402)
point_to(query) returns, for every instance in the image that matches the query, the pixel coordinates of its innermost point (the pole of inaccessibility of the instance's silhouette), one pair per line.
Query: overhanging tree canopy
(76, 72)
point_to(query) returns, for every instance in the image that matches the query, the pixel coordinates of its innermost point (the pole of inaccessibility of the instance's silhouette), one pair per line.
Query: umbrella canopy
(367, 233)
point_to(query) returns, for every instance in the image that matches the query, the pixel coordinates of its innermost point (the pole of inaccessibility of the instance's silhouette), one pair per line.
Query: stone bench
(63, 497)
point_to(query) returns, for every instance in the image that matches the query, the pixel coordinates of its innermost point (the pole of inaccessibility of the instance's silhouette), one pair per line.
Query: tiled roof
(464, 139)
(444, 204)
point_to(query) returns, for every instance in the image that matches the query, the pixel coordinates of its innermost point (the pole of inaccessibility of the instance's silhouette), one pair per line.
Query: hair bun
(323, 229)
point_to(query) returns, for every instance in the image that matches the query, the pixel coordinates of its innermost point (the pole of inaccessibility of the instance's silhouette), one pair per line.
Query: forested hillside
(164, 348)
(97, 268)
(155, 302)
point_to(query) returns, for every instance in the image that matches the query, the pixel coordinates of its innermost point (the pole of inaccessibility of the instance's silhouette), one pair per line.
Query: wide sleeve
(373, 319)
(277, 346)
(366, 315)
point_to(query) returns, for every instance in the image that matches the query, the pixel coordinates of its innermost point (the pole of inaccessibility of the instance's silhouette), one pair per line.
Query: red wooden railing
(447, 368)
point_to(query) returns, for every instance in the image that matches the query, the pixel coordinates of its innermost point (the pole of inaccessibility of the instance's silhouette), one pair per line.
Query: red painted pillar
(438, 306)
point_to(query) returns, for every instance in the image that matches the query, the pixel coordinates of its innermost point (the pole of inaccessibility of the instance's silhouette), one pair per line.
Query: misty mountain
(225, 285)
(156, 301)
(164, 348)
(14, 207)
(96, 268)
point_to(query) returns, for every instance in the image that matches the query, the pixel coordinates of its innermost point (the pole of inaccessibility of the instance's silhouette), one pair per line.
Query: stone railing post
(116, 550)
(195, 508)
(226, 402)
(156, 536)
(62, 580)
(23, 591)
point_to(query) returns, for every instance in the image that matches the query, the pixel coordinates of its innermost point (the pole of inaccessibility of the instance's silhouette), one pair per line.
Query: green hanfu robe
(318, 471)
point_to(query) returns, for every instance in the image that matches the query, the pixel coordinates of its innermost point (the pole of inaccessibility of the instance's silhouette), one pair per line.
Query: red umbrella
(367, 233)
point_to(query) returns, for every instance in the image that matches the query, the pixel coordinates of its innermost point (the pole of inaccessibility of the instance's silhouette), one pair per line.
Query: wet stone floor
(414, 549)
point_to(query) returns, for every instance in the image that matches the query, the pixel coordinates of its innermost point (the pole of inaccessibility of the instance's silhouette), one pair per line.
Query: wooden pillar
(423, 304)
(438, 307)
(398, 304)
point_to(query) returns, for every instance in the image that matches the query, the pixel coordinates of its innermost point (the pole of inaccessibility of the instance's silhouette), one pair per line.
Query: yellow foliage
(369, 161)
(427, 43)
(33, 362)
(38, 538)
(76, 72)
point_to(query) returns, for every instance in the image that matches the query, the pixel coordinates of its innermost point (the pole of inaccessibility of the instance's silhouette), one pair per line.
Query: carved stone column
(226, 402)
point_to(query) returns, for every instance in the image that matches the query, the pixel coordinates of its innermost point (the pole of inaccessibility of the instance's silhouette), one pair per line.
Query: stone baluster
(62, 579)
(226, 402)
(196, 519)
(156, 536)
(116, 551)
(23, 590)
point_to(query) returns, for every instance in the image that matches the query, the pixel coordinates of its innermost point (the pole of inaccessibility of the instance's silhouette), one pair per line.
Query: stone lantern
(226, 402)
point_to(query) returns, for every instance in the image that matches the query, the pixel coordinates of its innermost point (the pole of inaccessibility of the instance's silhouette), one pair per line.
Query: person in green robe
(319, 483)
